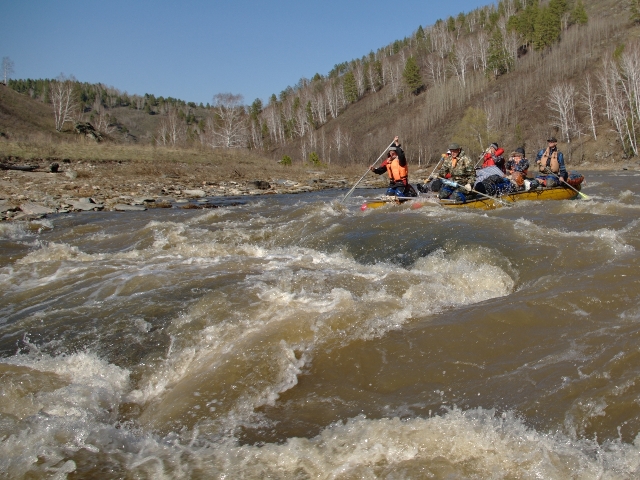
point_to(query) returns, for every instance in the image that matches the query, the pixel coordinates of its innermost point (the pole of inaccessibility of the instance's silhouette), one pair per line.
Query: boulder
(35, 209)
(121, 207)
(261, 184)
(85, 204)
(86, 129)
(194, 193)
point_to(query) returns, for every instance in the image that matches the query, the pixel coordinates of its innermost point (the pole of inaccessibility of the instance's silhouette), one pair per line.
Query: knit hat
(494, 145)
(518, 151)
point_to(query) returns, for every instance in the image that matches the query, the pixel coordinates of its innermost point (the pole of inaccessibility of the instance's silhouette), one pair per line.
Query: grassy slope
(20, 115)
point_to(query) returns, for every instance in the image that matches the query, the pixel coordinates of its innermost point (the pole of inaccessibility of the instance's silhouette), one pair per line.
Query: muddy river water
(297, 337)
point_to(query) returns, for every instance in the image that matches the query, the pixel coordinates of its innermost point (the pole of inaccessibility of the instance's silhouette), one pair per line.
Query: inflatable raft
(484, 203)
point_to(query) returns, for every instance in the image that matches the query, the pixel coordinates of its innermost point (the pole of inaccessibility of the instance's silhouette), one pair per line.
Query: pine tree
(634, 10)
(350, 87)
(546, 28)
(524, 22)
(451, 24)
(309, 113)
(412, 77)
(499, 61)
(579, 14)
(255, 109)
(558, 7)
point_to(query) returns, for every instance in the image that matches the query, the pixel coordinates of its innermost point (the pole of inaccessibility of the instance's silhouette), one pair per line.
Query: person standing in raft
(458, 168)
(396, 167)
(551, 164)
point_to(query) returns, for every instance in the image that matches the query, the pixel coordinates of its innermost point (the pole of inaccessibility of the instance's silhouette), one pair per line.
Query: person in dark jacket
(518, 167)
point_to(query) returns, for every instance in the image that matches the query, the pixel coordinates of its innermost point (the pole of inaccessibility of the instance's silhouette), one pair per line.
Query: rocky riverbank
(34, 189)
(31, 189)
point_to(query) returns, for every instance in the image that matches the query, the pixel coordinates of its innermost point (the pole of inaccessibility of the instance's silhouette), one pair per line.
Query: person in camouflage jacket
(458, 167)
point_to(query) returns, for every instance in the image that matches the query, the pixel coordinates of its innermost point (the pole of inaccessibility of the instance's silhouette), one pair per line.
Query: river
(296, 337)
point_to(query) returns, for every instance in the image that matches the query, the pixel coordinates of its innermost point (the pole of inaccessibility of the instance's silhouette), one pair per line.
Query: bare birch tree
(101, 119)
(7, 68)
(393, 76)
(62, 100)
(561, 97)
(228, 126)
(589, 99)
(436, 70)
(629, 81)
(482, 49)
(441, 39)
(337, 139)
(373, 74)
(172, 131)
(333, 94)
(319, 108)
(512, 41)
(360, 77)
(619, 82)
(460, 59)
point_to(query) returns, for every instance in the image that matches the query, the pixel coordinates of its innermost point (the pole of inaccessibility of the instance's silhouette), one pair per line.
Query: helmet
(454, 146)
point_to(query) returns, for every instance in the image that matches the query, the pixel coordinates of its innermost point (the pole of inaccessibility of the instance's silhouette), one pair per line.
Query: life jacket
(396, 172)
(494, 159)
(518, 178)
(549, 161)
(575, 179)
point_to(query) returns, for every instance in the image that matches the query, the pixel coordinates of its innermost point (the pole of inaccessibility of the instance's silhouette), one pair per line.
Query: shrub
(286, 160)
(314, 159)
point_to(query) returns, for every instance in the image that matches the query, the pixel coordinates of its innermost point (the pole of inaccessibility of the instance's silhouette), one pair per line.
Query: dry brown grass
(91, 160)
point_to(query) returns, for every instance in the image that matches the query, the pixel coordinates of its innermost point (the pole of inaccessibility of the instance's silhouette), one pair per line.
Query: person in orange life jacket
(395, 166)
(493, 156)
(551, 161)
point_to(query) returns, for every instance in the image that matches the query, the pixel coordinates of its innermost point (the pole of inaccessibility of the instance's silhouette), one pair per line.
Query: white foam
(13, 230)
(459, 444)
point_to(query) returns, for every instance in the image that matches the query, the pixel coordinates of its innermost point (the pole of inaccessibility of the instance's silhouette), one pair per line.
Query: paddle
(457, 185)
(365, 173)
(586, 197)
(434, 168)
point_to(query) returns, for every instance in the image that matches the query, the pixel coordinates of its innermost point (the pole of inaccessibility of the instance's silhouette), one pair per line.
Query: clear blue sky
(194, 49)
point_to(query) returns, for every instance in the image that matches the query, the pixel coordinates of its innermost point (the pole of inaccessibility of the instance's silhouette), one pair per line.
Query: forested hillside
(512, 73)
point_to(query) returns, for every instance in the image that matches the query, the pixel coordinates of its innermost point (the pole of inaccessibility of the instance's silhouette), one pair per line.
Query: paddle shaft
(365, 173)
(586, 197)
(434, 168)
